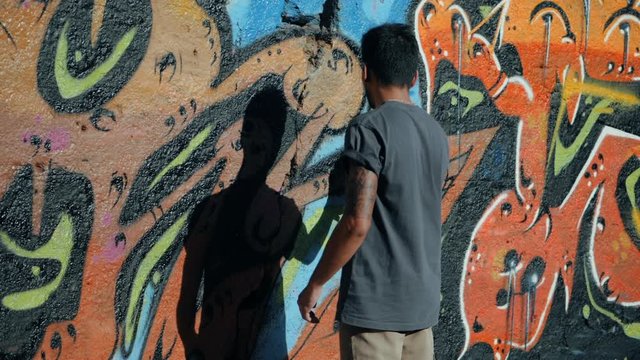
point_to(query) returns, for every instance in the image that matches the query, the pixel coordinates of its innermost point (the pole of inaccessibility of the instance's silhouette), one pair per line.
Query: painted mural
(545, 266)
(120, 117)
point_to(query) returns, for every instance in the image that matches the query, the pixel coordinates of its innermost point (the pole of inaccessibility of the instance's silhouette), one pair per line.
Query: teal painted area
(331, 145)
(289, 317)
(142, 327)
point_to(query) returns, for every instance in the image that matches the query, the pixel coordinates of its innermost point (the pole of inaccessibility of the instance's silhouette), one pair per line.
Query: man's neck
(391, 93)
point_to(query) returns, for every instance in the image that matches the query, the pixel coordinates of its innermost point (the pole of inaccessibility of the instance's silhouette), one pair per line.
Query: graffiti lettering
(539, 65)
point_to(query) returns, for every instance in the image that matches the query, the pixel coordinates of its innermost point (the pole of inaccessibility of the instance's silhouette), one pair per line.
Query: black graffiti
(97, 116)
(294, 16)
(158, 353)
(6, 31)
(120, 238)
(456, 164)
(329, 15)
(481, 115)
(337, 56)
(170, 122)
(73, 75)
(183, 112)
(67, 211)
(56, 343)
(206, 23)
(167, 61)
(35, 141)
(159, 175)
(118, 185)
(72, 331)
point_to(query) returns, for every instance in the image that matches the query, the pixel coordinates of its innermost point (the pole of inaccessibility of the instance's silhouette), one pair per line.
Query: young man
(388, 239)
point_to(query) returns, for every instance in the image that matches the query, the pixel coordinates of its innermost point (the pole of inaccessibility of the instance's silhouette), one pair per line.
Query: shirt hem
(386, 326)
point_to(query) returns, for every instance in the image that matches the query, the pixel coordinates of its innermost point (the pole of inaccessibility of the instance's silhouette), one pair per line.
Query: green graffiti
(70, 86)
(586, 311)
(565, 154)
(474, 97)
(632, 330)
(156, 277)
(58, 248)
(485, 10)
(144, 272)
(184, 154)
(321, 224)
(630, 184)
(35, 270)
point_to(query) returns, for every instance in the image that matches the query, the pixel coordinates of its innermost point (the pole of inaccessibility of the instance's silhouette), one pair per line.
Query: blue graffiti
(355, 17)
(143, 328)
(358, 16)
(330, 146)
(288, 316)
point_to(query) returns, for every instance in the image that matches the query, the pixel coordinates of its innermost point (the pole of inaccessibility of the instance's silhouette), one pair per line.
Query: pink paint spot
(107, 219)
(60, 139)
(25, 4)
(111, 252)
(39, 119)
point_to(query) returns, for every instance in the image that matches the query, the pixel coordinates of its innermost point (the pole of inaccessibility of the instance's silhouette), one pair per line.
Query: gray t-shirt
(393, 281)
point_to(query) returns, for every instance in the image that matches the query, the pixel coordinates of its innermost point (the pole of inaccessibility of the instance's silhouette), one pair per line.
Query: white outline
(416, 26)
(615, 24)
(463, 315)
(517, 80)
(518, 147)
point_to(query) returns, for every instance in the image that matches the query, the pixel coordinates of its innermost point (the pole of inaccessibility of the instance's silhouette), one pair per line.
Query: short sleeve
(365, 147)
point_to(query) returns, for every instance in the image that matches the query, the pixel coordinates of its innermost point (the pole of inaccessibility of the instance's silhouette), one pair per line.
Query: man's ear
(414, 80)
(365, 73)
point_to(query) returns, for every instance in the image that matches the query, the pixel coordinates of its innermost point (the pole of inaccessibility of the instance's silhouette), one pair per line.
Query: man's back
(393, 281)
(388, 239)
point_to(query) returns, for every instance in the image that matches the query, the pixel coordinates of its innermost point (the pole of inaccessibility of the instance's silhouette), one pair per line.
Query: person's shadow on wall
(237, 243)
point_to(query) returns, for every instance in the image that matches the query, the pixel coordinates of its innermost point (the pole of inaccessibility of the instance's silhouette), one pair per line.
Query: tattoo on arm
(361, 190)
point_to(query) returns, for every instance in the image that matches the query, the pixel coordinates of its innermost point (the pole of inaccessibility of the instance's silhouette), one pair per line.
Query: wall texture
(120, 116)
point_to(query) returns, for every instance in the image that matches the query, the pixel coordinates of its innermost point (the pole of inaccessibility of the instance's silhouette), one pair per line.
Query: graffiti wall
(125, 123)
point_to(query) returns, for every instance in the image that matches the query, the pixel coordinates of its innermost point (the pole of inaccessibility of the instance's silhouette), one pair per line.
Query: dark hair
(390, 51)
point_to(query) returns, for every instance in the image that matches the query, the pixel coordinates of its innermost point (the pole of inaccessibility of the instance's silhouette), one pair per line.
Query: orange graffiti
(564, 70)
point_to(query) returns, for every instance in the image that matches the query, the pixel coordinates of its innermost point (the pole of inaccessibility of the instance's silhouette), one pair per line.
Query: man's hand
(308, 300)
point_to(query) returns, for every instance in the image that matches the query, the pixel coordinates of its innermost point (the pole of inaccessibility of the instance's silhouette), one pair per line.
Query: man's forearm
(343, 244)
(346, 238)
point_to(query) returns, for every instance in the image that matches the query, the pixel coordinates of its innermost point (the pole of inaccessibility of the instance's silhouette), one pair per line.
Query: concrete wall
(119, 117)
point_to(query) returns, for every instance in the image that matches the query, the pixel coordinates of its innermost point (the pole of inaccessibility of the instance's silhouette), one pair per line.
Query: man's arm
(346, 239)
(186, 309)
(195, 249)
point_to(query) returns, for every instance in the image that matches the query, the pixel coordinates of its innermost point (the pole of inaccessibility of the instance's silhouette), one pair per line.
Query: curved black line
(549, 4)
(8, 34)
(617, 14)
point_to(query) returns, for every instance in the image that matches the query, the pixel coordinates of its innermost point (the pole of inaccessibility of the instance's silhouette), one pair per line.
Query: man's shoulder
(370, 119)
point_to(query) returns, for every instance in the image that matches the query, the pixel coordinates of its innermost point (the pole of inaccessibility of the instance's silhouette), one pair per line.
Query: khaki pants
(365, 344)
